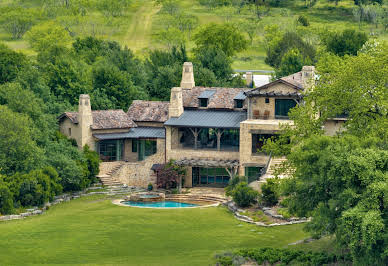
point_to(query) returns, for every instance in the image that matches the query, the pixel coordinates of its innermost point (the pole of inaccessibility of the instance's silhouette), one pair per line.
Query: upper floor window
(238, 103)
(282, 107)
(266, 100)
(203, 102)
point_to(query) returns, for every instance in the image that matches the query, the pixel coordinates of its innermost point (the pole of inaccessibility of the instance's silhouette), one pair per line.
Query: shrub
(303, 21)
(269, 192)
(282, 257)
(233, 182)
(244, 195)
(6, 200)
(93, 162)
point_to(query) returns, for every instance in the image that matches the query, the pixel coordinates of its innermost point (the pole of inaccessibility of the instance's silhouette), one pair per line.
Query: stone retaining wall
(236, 211)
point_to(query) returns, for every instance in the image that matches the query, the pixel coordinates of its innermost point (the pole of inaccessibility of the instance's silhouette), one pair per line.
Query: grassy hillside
(140, 23)
(93, 231)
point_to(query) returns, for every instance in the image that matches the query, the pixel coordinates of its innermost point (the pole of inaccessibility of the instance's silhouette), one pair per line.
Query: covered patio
(210, 171)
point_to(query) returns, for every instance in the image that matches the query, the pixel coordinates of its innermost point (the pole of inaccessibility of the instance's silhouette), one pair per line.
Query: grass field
(142, 21)
(92, 231)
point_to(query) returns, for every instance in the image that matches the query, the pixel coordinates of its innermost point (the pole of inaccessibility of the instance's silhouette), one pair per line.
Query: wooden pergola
(231, 166)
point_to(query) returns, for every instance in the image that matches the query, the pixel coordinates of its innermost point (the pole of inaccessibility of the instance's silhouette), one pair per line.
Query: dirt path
(138, 35)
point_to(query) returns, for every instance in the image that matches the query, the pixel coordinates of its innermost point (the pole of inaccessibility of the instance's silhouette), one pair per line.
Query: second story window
(238, 103)
(266, 100)
(203, 102)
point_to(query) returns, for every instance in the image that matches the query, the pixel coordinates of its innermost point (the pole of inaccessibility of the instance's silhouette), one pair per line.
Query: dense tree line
(341, 181)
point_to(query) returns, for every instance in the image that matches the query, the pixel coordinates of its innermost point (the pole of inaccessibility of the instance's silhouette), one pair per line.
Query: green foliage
(302, 20)
(46, 35)
(283, 256)
(93, 162)
(16, 22)
(11, 63)
(270, 192)
(233, 182)
(347, 42)
(276, 49)
(224, 37)
(244, 195)
(292, 62)
(6, 199)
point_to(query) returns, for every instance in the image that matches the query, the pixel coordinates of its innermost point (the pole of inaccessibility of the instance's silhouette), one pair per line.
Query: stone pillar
(189, 177)
(249, 79)
(85, 121)
(187, 81)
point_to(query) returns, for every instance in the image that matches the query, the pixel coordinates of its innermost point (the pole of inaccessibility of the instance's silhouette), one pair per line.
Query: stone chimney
(85, 121)
(249, 79)
(176, 103)
(187, 76)
(308, 76)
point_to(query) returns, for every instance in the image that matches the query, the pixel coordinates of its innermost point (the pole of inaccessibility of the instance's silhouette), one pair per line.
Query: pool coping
(119, 203)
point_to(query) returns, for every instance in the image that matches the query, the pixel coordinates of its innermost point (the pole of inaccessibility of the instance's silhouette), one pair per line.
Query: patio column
(195, 133)
(219, 134)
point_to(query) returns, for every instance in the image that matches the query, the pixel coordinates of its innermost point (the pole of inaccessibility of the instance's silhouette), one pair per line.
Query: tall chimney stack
(249, 79)
(187, 76)
(85, 120)
(175, 108)
(308, 77)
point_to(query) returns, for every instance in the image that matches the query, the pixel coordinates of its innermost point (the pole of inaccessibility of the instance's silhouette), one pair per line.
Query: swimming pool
(159, 204)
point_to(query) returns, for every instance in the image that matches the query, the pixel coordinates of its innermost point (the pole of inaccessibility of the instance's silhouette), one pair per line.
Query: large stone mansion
(214, 132)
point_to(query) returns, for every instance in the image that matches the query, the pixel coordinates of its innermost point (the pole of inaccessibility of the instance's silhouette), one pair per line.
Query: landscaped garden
(92, 230)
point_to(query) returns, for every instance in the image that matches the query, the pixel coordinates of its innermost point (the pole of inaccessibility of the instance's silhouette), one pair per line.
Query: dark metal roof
(135, 133)
(240, 96)
(208, 119)
(273, 94)
(207, 94)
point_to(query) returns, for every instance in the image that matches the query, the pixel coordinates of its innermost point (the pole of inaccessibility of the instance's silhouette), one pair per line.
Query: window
(258, 141)
(203, 102)
(111, 150)
(134, 145)
(146, 148)
(282, 107)
(69, 131)
(266, 100)
(238, 103)
(253, 173)
(210, 176)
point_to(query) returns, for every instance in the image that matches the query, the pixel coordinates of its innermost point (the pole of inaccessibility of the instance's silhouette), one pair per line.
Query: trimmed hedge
(282, 256)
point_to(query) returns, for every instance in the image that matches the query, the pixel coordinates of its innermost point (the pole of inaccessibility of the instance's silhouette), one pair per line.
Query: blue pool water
(160, 204)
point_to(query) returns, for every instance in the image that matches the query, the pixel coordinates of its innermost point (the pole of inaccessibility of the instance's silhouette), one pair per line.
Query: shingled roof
(223, 98)
(295, 79)
(105, 119)
(148, 111)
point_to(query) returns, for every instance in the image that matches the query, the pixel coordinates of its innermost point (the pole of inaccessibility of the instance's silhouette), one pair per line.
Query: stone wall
(64, 127)
(106, 167)
(139, 174)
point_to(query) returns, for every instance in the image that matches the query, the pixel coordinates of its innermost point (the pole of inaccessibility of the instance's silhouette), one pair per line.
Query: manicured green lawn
(93, 231)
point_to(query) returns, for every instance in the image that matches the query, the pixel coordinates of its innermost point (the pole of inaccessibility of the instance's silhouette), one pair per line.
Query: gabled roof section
(208, 119)
(148, 111)
(104, 119)
(262, 91)
(294, 79)
(111, 119)
(222, 98)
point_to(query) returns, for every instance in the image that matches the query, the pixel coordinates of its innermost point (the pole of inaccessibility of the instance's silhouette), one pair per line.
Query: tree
(292, 62)
(225, 37)
(6, 199)
(11, 63)
(169, 6)
(171, 176)
(346, 42)
(18, 150)
(290, 40)
(171, 37)
(46, 35)
(113, 8)
(342, 184)
(16, 22)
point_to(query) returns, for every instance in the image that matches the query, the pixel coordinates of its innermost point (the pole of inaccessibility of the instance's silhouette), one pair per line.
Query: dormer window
(238, 103)
(203, 102)
(204, 97)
